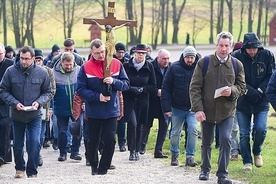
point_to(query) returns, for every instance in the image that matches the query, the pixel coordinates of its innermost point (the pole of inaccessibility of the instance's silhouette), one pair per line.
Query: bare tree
(164, 20)
(260, 14)
(220, 15)
(102, 3)
(197, 28)
(4, 18)
(211, 38)
(130, 16)
(155, 23)
(267, 5)
(241, 20)
(230, 16)
(176, 18)
(22, 21)
(250, 16)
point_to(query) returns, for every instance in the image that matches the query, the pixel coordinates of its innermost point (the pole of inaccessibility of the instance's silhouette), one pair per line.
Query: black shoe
(190, 162)
(40, 161)
(132, 156)
(55, 145)
(136, 156)
(62, 158)
(87, 163)
(112, 167)
(142, 151)
(160, 155)
(174, 160)
(101, 172)
(76, 157)
(2, 161)
(204, 175)
(68, 149)
(46, 145)
(94, 171)
(122, 148)
(224, 181)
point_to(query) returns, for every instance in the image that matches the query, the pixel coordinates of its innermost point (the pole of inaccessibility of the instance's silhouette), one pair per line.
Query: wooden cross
(110, 20)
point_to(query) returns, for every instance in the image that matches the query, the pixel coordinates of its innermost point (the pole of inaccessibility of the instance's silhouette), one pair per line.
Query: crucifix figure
(110, 24)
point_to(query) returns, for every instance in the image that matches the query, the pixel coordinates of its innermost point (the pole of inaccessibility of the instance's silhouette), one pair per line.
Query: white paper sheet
(219, 90)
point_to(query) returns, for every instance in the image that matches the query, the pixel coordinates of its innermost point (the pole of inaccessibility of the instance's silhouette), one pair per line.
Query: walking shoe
(132, 156)
(62, 158)
(2, 161)
(160, 155)
(94, 171)
(40, 161)
(142, 151)
(112, 167)
(258, 160)
(174, 161)
(55, 144)
(19, 174)
(190, 162)
(136, 156)
(122, 148)
(87, 163)
(234, 157)
(32, 176)
(203, 175)
(75, 157)
(247, 167)
(46, 145)
(224, 181)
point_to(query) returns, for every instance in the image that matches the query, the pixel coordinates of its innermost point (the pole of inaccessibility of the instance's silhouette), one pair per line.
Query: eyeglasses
(98, 53)
(1, 53)
(26, 59)
(141, 52)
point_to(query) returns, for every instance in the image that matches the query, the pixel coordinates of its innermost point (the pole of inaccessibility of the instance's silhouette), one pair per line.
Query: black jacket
(155, 109)
(176, 84)
(258, 71)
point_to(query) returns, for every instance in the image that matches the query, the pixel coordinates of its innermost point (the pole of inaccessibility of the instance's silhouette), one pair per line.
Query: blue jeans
(178, 118)
(63, 124)
(42, 133)
(34, 128)
(258, 133)
(55, 127)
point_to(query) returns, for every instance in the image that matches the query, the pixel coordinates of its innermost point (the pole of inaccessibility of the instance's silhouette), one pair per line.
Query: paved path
(148, 170)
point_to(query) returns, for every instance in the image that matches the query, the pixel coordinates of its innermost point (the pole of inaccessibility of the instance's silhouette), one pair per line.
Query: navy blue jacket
(176, 84)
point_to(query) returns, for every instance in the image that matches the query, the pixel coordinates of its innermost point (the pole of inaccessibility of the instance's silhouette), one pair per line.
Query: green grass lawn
(265, 174)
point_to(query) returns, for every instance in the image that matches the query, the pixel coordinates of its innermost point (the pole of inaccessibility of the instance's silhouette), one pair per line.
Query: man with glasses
(5, 121)
(101, 109)
(25, 87)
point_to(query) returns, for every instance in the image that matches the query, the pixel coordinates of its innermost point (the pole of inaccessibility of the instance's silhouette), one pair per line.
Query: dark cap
(8, 49)
(237, 46)
(55, 48)
(120, 46)
(141, 48)
(38, 54)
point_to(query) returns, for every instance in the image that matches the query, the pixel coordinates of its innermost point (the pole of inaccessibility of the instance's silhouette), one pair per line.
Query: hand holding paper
(225, 89)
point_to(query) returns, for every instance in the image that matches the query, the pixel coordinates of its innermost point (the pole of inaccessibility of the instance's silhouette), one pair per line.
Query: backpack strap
(206, 60)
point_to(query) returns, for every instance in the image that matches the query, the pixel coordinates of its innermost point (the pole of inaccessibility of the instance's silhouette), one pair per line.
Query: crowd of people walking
(64, 98)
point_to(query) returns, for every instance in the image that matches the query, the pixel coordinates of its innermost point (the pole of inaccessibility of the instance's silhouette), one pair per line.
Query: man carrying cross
(102, 110)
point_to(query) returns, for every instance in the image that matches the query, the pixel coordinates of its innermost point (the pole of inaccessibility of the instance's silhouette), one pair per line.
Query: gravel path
(147, 170)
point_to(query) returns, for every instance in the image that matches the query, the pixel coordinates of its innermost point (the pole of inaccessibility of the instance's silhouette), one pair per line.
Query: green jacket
(202, 89)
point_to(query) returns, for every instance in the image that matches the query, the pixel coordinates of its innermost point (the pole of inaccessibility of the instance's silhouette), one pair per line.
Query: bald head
(163, 58)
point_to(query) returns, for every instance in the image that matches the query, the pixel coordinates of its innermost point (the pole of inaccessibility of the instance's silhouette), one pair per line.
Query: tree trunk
(129, 9)
(211, 38)
(176, 19)
(220, 16)
(267, 5)
(4, 10)
(260, 15)
(250, 19)
(230, 16)
(241, 20)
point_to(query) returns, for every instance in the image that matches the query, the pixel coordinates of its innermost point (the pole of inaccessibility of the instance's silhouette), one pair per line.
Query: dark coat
(155, 109)
(145, 78)
(258, 71)
(175, 89)
(4, 108)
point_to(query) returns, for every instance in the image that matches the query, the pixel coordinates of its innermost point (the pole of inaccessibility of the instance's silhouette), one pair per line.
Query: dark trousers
(225, 130)
(161, 135)
(101, 129)
(5, 140)
(121, 132)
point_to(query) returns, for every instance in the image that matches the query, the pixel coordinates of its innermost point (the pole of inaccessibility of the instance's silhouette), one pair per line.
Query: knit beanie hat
(189, 51)
(237, 46)
(120, 46)
(55, 48)
(38, 54)
(8, 49)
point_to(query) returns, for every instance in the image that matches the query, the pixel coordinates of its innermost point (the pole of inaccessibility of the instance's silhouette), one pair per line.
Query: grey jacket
(25, 86)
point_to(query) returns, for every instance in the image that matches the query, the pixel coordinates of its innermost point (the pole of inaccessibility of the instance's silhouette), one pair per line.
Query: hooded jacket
(25, 86)
(258, 71)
